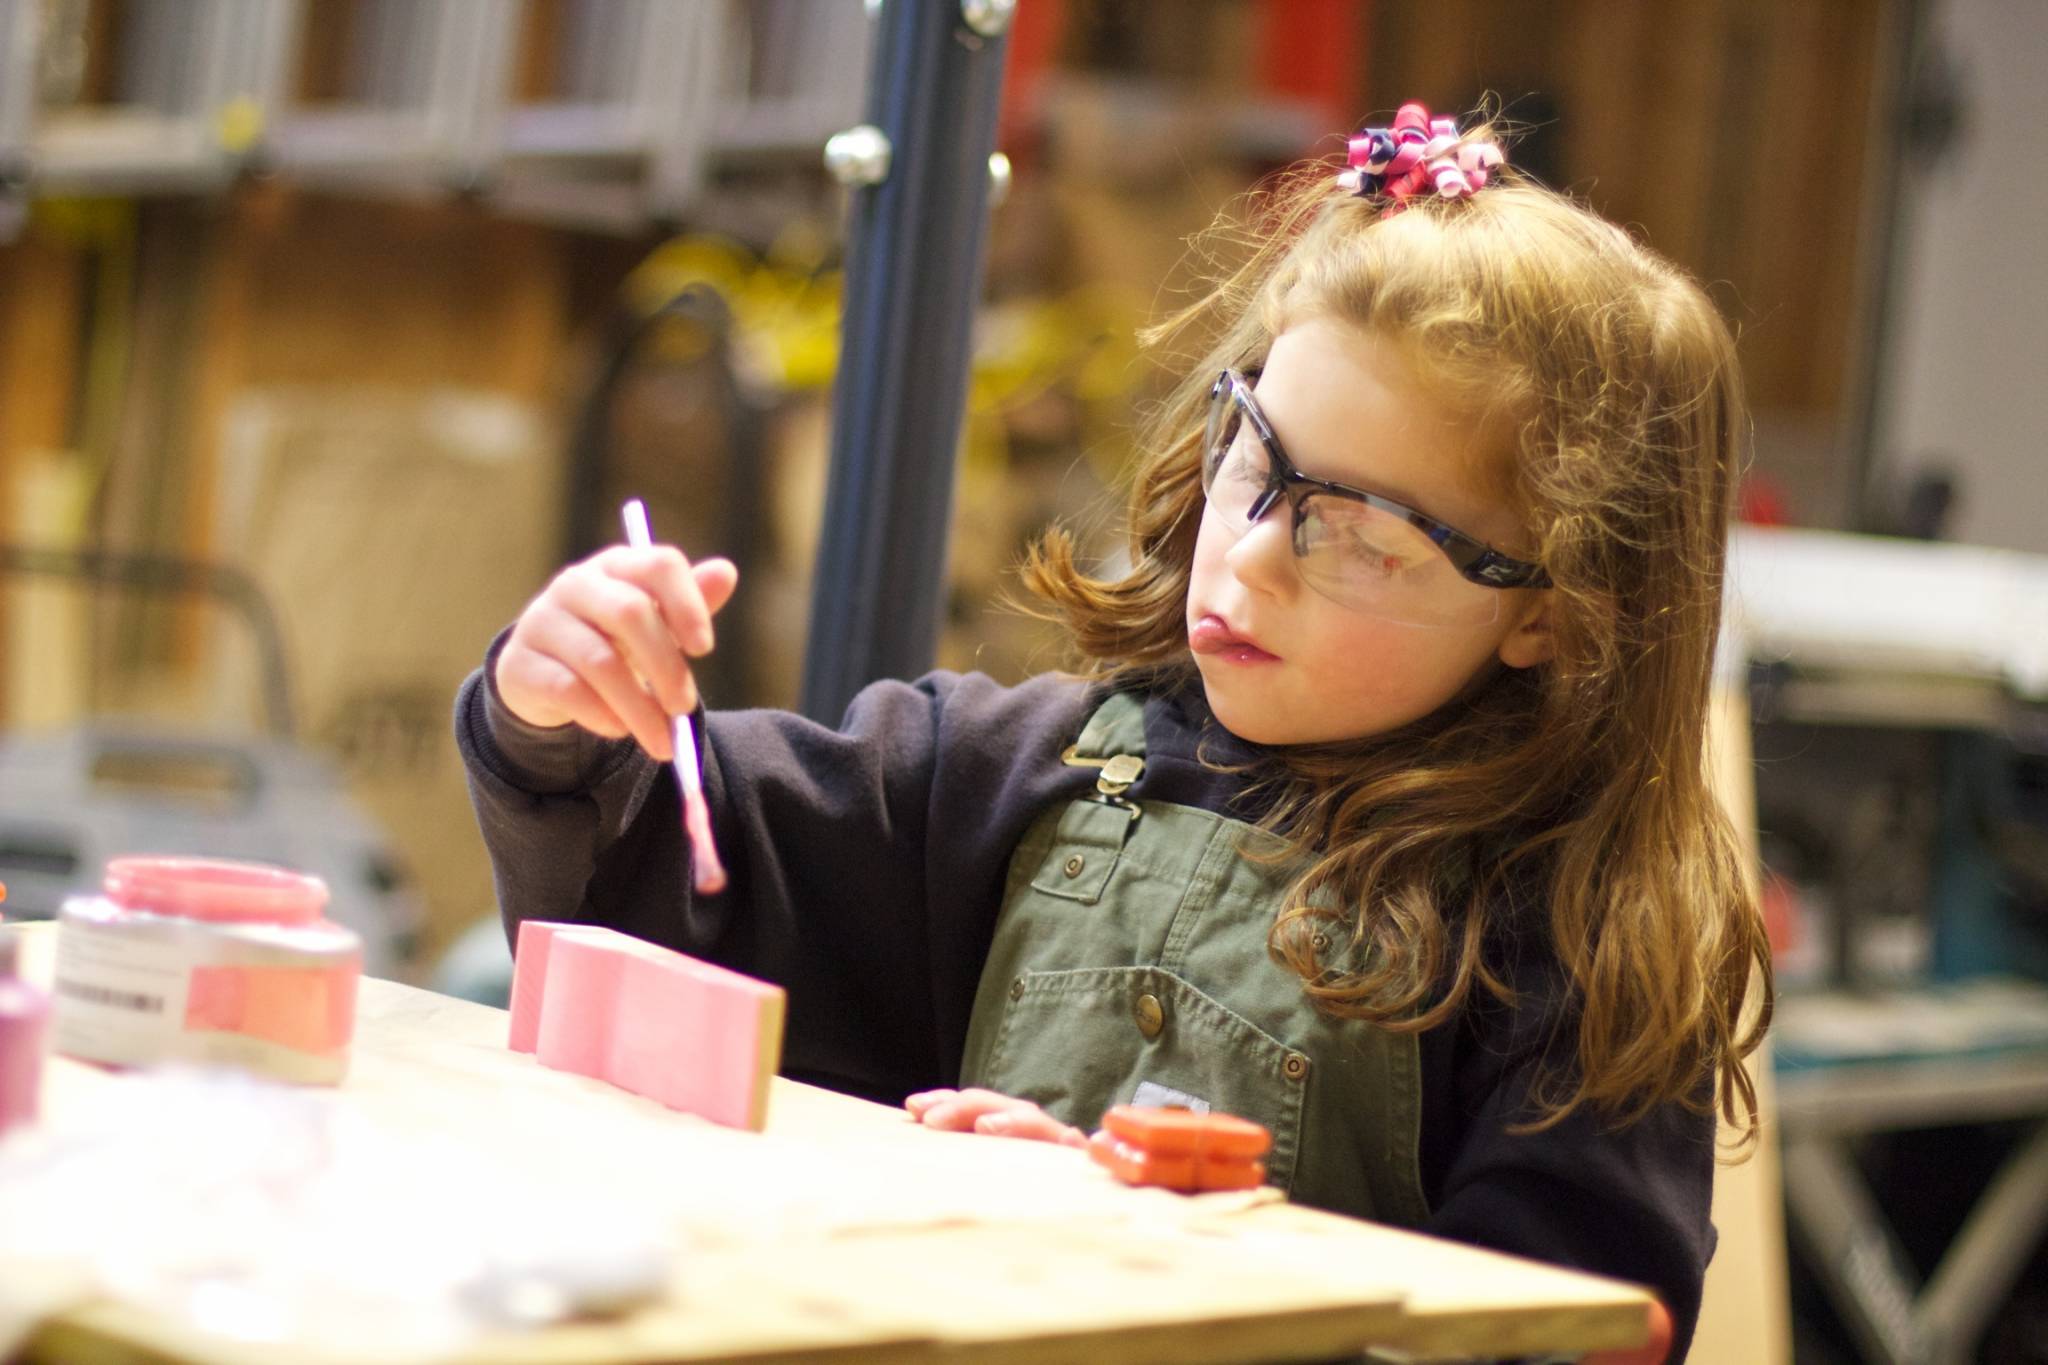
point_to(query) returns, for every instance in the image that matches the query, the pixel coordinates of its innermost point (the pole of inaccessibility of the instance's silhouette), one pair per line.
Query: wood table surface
(845, 1231)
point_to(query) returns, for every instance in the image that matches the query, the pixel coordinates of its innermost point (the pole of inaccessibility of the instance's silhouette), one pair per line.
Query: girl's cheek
(1401, 673)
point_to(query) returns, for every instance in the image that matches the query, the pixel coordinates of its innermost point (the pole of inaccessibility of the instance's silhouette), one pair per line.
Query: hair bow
(1416, 154)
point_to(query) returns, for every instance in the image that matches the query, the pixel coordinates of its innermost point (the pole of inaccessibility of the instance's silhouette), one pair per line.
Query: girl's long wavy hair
(1579, 786)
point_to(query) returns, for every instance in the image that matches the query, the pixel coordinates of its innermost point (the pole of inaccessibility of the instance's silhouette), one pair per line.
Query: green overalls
(1130, 966)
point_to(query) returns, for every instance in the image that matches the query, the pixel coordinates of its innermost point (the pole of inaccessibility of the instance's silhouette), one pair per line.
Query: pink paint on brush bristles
(710, 873)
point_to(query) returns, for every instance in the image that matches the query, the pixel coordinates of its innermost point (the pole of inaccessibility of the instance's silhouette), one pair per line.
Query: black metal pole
(913, 274)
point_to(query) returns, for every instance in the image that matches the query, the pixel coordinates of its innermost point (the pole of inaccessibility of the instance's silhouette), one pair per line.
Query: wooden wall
(1733, 134)
(40, 280)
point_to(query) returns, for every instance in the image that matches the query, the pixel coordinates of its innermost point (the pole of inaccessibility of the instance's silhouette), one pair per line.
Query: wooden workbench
(847, 1231)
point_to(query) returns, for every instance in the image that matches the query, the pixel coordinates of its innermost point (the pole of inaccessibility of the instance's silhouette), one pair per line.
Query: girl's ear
(1529, 643)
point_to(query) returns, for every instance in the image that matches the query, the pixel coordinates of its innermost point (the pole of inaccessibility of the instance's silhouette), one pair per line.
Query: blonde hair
(1576, 789)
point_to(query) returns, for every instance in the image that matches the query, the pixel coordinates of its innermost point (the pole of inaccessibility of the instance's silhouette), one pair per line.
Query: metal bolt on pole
(859, 157)
(919, 172)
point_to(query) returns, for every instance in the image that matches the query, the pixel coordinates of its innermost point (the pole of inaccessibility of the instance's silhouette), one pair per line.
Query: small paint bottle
(24, 1023)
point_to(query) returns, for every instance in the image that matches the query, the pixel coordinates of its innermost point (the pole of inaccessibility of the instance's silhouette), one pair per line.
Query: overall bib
(1130, 966)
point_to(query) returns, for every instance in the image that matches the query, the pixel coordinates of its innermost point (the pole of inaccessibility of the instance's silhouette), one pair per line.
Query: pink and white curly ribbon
(1417, 154)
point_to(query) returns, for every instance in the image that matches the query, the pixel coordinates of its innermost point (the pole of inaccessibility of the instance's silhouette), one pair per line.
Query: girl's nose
(1263, 558)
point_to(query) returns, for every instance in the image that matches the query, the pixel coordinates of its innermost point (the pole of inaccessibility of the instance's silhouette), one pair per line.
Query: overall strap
(1116, 727)
(1112, 741)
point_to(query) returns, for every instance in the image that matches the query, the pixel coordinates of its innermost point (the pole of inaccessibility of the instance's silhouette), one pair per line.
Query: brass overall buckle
(1117, 775)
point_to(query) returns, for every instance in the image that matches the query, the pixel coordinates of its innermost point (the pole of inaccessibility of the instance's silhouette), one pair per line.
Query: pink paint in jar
(207, 961)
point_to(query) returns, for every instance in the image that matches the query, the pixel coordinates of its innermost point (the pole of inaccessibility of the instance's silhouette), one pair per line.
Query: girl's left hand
(985, 1111)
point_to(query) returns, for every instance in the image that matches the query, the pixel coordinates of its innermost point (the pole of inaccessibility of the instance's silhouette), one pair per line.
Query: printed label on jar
(120, 997)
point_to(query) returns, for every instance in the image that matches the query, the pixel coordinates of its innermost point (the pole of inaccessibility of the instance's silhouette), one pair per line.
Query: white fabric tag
(1151, 1095)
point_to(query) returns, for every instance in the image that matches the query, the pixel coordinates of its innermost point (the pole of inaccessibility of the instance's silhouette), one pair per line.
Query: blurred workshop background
(329, 328)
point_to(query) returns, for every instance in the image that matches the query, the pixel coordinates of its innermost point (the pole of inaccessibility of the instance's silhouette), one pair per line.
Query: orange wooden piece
(1180, 1149)
(1185, 1172)
(1182, 1132)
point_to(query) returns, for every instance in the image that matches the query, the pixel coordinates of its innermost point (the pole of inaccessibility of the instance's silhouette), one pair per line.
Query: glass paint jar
(207, 961)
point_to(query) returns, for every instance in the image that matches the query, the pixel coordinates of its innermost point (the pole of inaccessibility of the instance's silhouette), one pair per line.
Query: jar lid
(215, 889)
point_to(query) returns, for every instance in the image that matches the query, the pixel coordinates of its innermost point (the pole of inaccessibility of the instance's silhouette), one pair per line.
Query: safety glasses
(1356, 548)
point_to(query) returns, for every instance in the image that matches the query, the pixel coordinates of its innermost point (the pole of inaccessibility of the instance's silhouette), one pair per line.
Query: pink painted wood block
(529, 977)
(690, 1035)
(581, 1007)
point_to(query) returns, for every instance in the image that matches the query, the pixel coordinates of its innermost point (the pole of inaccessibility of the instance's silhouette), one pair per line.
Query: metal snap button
(1017, 989)
(1151, 1015)
(1122, 770)
(1295, 1067)
(1319, 941)
(1074, 865)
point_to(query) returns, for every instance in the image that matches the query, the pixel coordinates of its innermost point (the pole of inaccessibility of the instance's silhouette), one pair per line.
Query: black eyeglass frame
(1473, 558)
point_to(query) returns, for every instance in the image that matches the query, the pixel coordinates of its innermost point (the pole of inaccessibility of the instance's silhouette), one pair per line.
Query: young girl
(1379, 814)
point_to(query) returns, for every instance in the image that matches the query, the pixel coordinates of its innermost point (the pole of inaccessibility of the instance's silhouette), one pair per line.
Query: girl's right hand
(607, 644)
(986, 1111)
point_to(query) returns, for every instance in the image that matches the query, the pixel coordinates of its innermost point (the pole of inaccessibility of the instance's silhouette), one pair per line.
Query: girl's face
(1281, 662)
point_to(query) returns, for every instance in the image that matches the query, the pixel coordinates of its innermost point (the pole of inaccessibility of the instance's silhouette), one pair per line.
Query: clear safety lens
(1362, 557)
(1351, 552)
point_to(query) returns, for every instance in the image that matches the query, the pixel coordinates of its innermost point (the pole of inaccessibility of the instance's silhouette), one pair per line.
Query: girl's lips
(1212, 637)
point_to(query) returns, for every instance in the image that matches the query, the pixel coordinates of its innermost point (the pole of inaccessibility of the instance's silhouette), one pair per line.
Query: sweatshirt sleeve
(1629, 1202)
(866, 862)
